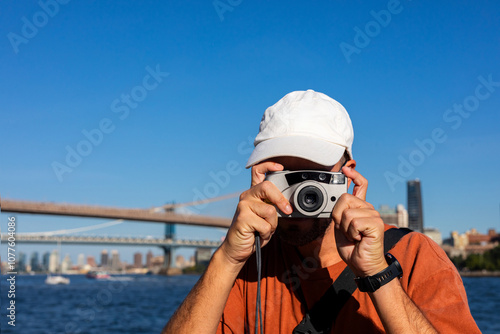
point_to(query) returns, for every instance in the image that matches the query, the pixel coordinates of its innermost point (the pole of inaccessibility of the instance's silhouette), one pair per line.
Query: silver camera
(312, 193)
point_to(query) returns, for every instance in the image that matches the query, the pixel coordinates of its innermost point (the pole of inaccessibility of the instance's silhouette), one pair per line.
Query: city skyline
(398, 211)
(54, 262)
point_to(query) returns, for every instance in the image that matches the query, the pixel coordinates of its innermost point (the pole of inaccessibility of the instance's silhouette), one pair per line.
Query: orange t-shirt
(429, 279)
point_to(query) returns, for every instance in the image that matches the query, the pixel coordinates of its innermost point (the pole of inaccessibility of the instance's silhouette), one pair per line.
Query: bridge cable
(75, 230)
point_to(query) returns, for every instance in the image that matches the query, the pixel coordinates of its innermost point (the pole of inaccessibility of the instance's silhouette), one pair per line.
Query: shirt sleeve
(435, 286)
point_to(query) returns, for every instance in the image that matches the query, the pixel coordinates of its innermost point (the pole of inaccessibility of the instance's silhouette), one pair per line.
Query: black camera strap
(323, 314)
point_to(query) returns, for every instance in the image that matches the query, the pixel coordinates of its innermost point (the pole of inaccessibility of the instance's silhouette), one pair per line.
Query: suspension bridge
(165, 214)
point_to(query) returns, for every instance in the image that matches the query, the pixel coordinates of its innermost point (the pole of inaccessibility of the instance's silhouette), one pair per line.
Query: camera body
(312, 193)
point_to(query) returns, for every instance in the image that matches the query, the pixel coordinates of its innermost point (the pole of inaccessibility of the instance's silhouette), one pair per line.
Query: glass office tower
(415, 215)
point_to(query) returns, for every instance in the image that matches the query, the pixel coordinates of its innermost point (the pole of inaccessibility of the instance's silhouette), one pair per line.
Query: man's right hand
(255, 213)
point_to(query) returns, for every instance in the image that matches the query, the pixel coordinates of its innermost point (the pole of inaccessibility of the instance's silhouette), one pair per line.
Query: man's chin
(300, 232)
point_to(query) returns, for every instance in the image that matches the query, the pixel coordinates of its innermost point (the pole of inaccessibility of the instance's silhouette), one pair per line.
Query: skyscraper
(394, 216)
(34, 262)
(21, 262)
(66, 264)
(104, 258)
(81, 260)
(138, 260)
(115, 260)
(415, 213)
(402, 216)
(91, 261)
(149, 257)
(54, 261)
(45, 261)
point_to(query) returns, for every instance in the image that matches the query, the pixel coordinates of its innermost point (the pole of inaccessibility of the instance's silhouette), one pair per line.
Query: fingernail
(288, 208)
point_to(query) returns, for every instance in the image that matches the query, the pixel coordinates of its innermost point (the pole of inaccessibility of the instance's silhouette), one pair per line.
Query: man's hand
(359, 229)
(255, 213)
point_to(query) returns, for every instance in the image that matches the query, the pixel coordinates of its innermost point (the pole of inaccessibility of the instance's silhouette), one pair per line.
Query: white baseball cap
(304, 124)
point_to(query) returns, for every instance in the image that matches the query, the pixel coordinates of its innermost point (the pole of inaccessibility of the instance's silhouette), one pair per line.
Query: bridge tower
(168, 250)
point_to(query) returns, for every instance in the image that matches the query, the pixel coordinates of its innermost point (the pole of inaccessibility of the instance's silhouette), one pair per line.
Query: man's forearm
(202, 309)
(397, 311)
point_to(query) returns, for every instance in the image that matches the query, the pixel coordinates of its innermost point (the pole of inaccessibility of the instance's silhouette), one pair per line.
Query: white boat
(54, 280)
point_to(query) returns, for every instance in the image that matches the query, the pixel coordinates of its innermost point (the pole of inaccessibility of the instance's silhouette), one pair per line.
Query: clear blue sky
(401, 69)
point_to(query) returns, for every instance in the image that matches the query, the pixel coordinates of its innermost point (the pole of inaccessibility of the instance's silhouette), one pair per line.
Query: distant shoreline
(462, 273)
(480, 273)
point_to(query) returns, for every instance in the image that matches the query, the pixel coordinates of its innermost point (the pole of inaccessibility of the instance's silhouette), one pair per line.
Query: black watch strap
(373, 283)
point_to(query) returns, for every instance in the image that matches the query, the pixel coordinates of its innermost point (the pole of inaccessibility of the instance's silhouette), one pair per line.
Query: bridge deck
(87, 240)
(91, 211)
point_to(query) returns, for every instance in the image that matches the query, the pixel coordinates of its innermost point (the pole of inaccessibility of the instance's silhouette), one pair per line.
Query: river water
(143, 304)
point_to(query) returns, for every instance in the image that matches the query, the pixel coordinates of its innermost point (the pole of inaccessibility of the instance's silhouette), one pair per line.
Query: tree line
(489, 260)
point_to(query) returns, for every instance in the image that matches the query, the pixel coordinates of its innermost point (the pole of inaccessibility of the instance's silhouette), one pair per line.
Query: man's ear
(352, 164)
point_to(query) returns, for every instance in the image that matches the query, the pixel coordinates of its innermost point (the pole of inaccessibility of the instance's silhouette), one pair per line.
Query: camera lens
(310, 199)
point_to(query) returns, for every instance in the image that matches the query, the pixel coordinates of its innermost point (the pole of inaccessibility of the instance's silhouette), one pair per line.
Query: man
(301, 257)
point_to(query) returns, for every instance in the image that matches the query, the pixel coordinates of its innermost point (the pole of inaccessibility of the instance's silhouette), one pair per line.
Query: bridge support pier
(167, 257)
(168, 268)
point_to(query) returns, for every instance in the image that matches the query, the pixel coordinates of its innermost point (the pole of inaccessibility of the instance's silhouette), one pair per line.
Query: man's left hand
(359, 229)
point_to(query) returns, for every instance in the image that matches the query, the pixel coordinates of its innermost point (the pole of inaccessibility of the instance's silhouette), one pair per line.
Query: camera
(312, 193)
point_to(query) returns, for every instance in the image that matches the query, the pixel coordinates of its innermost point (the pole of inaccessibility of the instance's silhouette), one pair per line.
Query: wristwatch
(373, 283)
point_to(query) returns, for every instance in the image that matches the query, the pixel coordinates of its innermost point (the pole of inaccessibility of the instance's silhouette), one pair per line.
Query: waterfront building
(476, 238)
(402, 216)
(4, 267)
(104, 258)
(202, 256)
(157, 261)
(54, 261)
(91, 261)
(149, 258)
(81, 260)
(21, 262)
(115, 260)
(45, 261)
(434, 234)
(388, 215)
(180, 261)
(34, 262)
(415, 211)
(394, 216)
(66, 264)
(137, 260)
(471, 242)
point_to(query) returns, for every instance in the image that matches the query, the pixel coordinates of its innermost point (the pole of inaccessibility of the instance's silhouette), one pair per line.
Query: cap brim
(313, 149)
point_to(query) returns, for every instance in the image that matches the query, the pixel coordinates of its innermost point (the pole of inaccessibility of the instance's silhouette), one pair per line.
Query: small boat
(97, 274)
(55, 280)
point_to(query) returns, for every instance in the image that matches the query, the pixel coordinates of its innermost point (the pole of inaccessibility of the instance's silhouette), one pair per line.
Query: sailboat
(56, 279)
